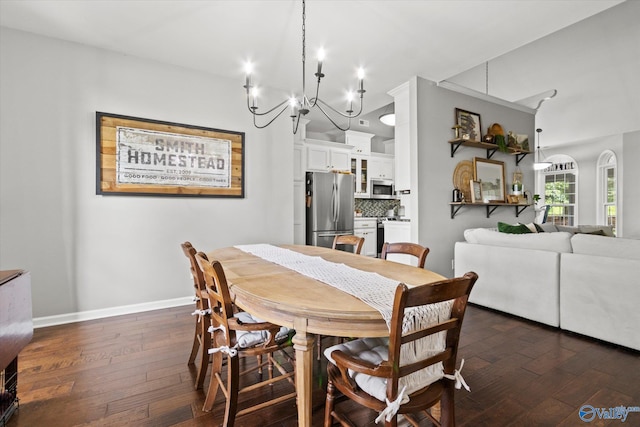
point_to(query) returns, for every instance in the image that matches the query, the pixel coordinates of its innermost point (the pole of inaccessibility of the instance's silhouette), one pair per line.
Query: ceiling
(588, 50)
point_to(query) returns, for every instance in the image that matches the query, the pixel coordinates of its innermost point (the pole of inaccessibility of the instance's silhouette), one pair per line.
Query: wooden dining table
(282, 296)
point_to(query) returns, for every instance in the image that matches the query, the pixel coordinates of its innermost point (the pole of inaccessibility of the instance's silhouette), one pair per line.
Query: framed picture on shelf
(476, 191)
(470, 126)
(490, 173)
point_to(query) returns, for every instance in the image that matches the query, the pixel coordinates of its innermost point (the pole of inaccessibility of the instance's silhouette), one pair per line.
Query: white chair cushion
(375, 350)
(248, 339)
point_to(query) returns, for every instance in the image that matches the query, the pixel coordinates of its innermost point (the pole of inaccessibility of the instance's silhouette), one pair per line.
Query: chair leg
(205, 345)
(447, 412)
(196, 343)
(233, 383)
(214, 382)
(329, 403)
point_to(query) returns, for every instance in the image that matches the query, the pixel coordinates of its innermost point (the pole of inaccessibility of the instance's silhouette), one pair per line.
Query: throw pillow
(513, 229)
(538, 228)
(595, 232)
(532, 227)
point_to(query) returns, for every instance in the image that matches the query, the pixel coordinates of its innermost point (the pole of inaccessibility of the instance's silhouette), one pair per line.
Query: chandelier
(301, 105)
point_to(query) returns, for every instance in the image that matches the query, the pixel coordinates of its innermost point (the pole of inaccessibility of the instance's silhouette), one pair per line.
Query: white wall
(435, 117)
(90, 252)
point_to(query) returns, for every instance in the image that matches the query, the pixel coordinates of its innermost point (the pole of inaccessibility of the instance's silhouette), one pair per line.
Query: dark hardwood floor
(132, 370)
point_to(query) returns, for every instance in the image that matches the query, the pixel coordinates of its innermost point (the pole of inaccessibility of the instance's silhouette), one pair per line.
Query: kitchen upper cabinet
(360, 141)
(381, 166)
(360, 170)
(323, 156)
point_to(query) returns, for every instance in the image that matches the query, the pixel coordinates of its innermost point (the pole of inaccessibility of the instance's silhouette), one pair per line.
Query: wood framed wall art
(138, 156)
(470, 126)
(490, 173)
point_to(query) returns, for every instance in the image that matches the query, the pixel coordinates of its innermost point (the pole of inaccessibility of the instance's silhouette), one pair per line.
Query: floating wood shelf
(491, 207)
(491, 148)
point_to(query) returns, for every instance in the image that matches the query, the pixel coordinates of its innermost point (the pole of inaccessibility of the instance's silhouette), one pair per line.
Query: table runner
(371, 288)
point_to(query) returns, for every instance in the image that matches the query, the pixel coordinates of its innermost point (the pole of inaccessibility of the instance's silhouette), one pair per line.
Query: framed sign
(490, 173)
(150, 157)
(476, 191)
(469, 124)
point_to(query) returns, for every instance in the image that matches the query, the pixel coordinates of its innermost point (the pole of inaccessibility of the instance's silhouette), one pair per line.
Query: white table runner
(371, 288)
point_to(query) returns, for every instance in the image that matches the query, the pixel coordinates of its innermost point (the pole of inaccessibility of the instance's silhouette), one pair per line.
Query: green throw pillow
(513, 229)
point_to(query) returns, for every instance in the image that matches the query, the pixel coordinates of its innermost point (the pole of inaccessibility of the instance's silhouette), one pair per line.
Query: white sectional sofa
(589, 284)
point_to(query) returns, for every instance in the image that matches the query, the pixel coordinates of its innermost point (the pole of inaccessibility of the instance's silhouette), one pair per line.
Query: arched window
(607, 189)
(558, 186)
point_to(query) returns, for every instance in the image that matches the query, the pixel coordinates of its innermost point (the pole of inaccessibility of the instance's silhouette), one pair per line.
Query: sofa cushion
(547, 227)
(513, 229)
(554, 242)
(606, 230)
(587, 244)
(568, 229)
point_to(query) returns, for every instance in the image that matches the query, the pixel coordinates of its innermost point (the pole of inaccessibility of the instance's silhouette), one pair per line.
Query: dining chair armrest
(345, 361)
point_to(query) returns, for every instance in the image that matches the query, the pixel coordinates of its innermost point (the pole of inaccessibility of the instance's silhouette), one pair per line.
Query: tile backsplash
(375, 208)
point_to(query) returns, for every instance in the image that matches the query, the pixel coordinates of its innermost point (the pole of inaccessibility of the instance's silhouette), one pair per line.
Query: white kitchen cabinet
(360, 170)
(381, 166)
(367, 228)
(324, 156)
(360, 141)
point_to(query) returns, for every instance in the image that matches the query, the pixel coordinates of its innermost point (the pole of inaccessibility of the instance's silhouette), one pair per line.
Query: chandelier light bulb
(321, 55)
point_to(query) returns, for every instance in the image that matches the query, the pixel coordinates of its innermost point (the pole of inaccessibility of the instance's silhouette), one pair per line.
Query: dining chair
(201, 339)
(406, 248)
(236, 335)
(412, 370)
(349, 240)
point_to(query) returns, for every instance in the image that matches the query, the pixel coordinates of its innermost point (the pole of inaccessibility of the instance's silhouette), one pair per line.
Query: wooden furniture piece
(379, 375)
(349, 240)
(201, 336)
(282, 296)
(407, 248)
(238, 335)
(16, 331)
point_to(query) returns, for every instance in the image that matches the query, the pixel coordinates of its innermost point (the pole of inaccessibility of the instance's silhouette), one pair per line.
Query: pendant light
(540, 163)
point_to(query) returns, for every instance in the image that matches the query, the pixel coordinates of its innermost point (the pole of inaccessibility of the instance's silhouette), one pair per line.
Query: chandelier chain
(304, 43)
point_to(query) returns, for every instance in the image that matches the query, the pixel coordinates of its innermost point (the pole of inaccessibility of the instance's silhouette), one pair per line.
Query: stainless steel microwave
(382, 189)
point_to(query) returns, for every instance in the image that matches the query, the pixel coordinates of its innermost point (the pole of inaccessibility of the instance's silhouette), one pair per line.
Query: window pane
(560, 194)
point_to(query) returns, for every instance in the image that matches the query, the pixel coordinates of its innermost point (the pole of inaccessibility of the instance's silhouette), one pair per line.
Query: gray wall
(437, 230)
(89, 252)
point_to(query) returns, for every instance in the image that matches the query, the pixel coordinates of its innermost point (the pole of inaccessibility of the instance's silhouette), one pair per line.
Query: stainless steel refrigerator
(329, 207)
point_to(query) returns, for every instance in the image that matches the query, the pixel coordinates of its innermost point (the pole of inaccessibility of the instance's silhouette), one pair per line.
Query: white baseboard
(61, 319)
